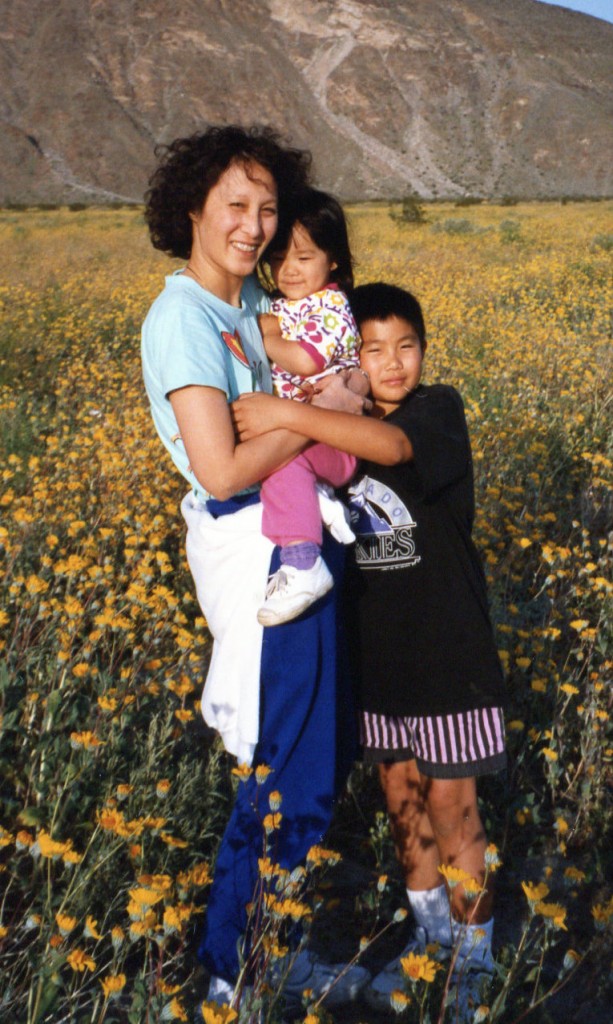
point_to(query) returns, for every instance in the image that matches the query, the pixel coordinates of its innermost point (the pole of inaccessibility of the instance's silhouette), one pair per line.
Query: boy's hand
(256, 413)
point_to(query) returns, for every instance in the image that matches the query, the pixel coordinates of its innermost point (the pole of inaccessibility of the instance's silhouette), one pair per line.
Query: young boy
(431, 686)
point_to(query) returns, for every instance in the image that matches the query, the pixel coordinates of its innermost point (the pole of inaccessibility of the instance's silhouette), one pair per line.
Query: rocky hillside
(444, 97)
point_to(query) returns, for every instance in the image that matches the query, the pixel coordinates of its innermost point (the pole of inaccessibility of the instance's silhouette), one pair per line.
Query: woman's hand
(336, 392)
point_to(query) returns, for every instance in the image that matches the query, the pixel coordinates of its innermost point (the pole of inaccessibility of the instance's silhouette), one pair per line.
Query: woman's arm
(219, 464)
(362, 436)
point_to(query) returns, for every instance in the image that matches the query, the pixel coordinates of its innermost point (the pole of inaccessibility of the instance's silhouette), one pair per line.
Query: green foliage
(510, 230)
(411, 211)
(604, 242)
(457, 226)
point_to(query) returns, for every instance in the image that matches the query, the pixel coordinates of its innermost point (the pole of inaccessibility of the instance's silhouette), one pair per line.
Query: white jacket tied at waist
(229, 559)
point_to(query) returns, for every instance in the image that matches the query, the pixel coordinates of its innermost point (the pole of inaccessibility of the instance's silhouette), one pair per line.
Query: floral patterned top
(323, 325)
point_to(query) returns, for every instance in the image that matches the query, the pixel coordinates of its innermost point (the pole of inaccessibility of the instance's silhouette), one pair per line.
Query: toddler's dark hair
(322, 216)
(191, 166)
(380, 301)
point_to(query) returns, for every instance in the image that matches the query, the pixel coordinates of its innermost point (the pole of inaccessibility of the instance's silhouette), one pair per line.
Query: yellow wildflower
(571, 959)
(80, 961)
(472, 888)
(535, 892)
(579, 624)
(86, 739)
(574, 874)
(419, 967)
(174, 1010)
(166, 989)
(179, 844)
(552, 912)
(108, 703)
(142, 897)
(183, 715)
(492, 858)
(399, 1000)
(200, 874)
(602, 913)
(274, 800)
(272, 822)
(49, 847)
(453, 876)
(319, 855)
(262, 772)
(214, 1013)
(91, 928)
(112, 985)
(569, 688)
(65, 923)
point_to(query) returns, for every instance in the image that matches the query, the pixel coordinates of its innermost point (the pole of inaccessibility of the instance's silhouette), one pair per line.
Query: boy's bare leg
(436, 821)
(414, 840)
(451, 805)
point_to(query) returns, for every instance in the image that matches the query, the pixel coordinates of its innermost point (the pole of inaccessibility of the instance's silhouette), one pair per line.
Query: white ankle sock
(430, 909)
(475, 944)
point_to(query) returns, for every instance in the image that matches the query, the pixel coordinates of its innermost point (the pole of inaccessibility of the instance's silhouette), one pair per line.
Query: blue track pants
(307, 738)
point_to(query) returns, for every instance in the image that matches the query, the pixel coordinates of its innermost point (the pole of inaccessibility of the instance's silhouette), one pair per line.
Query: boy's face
(391, 354)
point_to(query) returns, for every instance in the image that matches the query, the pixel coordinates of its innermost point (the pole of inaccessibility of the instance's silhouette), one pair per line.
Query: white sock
(475, 945)
(431, 911)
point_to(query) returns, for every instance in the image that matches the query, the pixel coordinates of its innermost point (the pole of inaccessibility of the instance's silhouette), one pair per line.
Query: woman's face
(236, 223)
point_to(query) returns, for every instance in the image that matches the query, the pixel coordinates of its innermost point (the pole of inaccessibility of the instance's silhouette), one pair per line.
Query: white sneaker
(470, 989)
(291, 591)
(339, 983)
(220, 991)
(392, 977)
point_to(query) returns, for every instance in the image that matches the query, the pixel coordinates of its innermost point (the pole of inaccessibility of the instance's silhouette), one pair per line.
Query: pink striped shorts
(452, 746)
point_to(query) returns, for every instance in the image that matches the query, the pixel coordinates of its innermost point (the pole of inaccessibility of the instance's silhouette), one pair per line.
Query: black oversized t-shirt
(423, 639)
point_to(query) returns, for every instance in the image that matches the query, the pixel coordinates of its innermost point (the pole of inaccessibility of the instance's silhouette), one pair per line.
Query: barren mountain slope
(446, 97)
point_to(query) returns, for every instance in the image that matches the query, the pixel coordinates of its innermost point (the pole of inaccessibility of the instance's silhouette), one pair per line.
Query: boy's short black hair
(380, 301)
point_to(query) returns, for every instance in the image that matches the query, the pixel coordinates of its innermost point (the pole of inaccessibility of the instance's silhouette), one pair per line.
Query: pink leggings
(291, 508)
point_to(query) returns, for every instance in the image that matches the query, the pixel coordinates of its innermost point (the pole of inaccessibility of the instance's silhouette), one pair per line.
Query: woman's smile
(229, 234)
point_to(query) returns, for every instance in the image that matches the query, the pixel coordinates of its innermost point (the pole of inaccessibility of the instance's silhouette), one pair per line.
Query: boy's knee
(452, 806)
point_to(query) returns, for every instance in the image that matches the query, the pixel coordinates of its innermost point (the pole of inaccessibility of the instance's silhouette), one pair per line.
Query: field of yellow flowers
(112, 794)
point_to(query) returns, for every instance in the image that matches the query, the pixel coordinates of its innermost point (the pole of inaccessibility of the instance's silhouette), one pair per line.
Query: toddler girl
(309, 334)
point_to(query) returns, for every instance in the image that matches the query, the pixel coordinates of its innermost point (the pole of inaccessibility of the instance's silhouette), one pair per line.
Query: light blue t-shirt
(191, 337)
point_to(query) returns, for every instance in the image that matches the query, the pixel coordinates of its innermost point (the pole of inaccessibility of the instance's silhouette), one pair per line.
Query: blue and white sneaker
(337, 983)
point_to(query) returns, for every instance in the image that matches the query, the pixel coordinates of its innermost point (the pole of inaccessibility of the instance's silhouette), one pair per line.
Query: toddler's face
(303, 268)
(392, 356)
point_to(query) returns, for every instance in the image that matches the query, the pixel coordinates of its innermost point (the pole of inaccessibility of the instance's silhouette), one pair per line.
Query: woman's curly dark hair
(191, 166)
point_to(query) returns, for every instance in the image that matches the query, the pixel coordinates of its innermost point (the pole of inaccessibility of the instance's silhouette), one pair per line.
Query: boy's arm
(362, 436)
(289, 355)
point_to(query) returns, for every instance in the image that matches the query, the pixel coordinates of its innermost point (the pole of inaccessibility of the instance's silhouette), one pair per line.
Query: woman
(216, 200)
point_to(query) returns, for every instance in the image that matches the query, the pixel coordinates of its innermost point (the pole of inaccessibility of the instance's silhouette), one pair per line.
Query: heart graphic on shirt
(234, 344)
